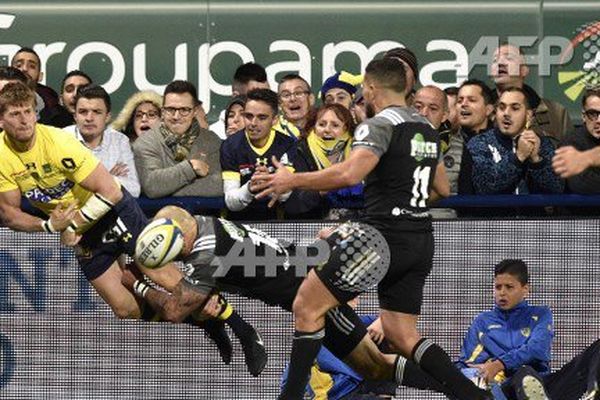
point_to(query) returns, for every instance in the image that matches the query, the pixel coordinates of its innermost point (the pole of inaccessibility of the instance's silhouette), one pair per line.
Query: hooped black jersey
(238, 258)
(397, 189)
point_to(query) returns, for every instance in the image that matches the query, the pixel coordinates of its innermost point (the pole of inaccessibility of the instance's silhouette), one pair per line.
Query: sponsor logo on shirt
(420, 149)
(46, 195)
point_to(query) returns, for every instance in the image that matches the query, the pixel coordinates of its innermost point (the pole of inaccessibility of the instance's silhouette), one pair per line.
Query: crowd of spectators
(495, 139)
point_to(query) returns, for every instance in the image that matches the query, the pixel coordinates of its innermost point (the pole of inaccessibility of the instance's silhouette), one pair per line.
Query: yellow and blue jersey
(50, 172)
(519, 336)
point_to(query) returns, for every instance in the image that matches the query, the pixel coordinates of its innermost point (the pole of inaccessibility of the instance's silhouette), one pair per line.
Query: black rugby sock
(408, 373)
(305, 348)
(435, 361)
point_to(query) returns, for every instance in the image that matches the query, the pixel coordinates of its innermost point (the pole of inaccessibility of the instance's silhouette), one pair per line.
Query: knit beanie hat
(342, 80)
(405, 55)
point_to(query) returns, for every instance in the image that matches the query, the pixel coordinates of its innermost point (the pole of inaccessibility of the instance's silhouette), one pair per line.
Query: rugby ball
(159, 243)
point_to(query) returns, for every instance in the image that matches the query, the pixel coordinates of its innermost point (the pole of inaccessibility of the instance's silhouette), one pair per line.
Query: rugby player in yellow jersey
(62, 178)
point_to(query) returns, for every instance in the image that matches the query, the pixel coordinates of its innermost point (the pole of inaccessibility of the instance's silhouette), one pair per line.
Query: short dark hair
(13, 74)
(266, 96)
(514, 267)
(75, 72)
(590, 92)
(451, 91)
(291, 77)
(181, 87)
(486, 92)
(518, 90)
(93, 91)
(248, 72)
(31, 51)
(390, 72)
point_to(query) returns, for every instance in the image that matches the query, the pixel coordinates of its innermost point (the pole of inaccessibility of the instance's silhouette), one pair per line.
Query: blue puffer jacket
(497, 170)
(517, 337)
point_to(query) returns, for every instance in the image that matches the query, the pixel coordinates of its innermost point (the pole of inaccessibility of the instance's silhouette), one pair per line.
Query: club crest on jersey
(420, 149)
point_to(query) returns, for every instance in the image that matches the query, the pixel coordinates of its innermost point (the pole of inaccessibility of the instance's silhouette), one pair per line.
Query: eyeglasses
(149, 114)
(592, 114)
(298, 95)
(183, 111)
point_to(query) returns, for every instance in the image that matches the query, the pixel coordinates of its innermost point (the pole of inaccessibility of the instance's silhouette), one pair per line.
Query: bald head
(431, 102)
(185, 220)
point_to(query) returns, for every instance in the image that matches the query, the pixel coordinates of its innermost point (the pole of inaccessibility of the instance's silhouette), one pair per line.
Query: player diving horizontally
(86, 204)
(205, 245)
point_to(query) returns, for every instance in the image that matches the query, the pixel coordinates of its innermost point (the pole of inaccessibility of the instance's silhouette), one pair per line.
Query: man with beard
(511, 158)
(396, 153)
(510, 70)
(581, 145)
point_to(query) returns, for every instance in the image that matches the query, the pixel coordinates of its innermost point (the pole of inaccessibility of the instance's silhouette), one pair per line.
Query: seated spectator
(585, 138)
(296, 101)
(252, 150)
(177, 157)
(328, 142)
(511, 158)
(112, 148)
(474, 106)
(235, 115)
(340, 88)
(510, 346)
(139, 114)
(510, 70)
(62, 115)
(247, 77)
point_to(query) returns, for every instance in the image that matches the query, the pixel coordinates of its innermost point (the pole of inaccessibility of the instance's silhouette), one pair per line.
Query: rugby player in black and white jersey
(396, 153)
(213, 264)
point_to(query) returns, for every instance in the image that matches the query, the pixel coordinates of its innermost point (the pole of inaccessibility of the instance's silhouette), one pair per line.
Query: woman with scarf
(328, 142)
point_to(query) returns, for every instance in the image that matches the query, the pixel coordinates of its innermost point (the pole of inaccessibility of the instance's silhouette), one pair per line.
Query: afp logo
(585, 46)
(7, 361)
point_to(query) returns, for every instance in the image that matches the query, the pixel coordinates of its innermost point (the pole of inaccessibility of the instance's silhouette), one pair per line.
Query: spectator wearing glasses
(585, 138)
(140, 113)
(178, 157)
(296, 101)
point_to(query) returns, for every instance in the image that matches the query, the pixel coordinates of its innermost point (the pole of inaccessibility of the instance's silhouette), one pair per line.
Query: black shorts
(110, 237)
(344, 330)
(359, 259)
(411, 262)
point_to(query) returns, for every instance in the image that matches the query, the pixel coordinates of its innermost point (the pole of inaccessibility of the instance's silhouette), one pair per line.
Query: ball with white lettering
(159, 243)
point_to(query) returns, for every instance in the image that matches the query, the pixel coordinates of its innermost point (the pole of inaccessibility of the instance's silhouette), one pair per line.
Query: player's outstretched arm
(106, 193)
(175, 306)
(347, 173)
(16, 219)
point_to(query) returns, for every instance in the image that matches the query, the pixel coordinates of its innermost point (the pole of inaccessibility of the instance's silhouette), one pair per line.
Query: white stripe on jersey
(391, 116)
(205, 243)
